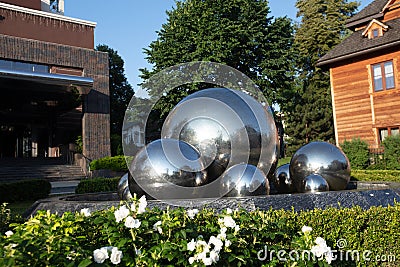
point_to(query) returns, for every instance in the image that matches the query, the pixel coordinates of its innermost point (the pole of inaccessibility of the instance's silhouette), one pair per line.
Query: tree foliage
(239, 33)
(321, 28)
(121, 91)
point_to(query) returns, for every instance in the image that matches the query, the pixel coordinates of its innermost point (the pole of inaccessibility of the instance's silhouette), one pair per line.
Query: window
(383, 74)
(389, 131)
(375, 33)
(23, 66)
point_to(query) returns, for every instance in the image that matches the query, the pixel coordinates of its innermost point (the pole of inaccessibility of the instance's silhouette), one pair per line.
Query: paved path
(63, 187)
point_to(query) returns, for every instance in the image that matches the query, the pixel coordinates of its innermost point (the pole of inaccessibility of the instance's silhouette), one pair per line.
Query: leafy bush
(97, 185)
(24, 190)
(79, 144)
(357, 152)
(116, 145)
(376, 175)
(177, 237)
(392, 152)
(117, 163)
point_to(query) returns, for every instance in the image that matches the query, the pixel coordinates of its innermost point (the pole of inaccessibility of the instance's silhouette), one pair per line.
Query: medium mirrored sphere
(282, 181)
(227, 127)
(122, 185)
(315, 183)
(165, 165)
(321, 158)
(244, 180)
(126, 195)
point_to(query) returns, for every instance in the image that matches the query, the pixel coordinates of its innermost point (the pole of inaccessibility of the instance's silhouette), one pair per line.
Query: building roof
(373, 10)
(356, 44)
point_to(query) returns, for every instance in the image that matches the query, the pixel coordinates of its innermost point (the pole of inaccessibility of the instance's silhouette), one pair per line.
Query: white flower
(228, 211)
(228, 221)
(227, 243)
(116, 255)
(320, 241)
(329, 256)
(130, 222)
(191, 260)
(142, 205)
(192, 213)
(133, 207)
(202, 246)
(214, 256)
(207, 261)
(191, 246)
(9, 233)
(218, 244)
(306, 229)
(237, 228)
(138, 251)
(156, 227)
(85, 212)
(121, 213)
(100, 255)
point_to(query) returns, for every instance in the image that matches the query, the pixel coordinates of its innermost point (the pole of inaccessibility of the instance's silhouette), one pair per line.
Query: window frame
(384, 76)
(389, 132)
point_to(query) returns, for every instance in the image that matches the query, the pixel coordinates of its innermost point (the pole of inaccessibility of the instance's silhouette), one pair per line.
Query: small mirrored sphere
(321, 158)
(227, 127)
(122, 184)
(164, 165)
(315, 183)
(244, 180)
(282, 181)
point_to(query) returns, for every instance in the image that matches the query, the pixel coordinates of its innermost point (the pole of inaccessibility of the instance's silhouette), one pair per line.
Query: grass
(283, 161)
(18, 208)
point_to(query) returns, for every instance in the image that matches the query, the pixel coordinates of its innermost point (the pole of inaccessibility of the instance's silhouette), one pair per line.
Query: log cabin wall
(359, 110)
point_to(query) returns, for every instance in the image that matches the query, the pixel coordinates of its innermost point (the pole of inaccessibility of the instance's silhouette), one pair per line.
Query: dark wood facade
(365, 77)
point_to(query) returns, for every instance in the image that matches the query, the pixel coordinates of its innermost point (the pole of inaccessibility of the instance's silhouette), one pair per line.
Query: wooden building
(54, 86)
(365, 75)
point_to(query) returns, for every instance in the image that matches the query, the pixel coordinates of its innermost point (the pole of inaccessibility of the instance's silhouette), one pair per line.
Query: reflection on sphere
(165, 163)
(244, 180)
(320, 158)
(282, 181)
(227, 127)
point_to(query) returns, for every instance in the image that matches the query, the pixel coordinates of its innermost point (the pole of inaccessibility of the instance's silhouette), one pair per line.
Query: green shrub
(97, 185)
(79, 144)
(117, 163)
(357, 152)
(24, 190)
(163, 237)
(376, 175)
(392, 152)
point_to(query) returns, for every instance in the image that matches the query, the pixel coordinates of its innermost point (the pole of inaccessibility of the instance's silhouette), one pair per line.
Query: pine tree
(322, 27)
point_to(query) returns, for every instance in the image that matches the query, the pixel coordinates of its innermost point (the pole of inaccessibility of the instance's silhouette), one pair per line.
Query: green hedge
(162, 236)
(357, 152)
(97, 185)
(117, 163)
(376, 175)
(24, 190)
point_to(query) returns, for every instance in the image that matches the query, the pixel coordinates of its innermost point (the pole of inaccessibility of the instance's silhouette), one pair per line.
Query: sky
(129, 26)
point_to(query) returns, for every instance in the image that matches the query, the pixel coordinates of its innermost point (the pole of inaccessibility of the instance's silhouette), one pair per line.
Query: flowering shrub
(133, 235)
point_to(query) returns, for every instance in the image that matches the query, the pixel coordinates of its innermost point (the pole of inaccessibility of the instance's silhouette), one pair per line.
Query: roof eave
(358, 22)
(359, 53)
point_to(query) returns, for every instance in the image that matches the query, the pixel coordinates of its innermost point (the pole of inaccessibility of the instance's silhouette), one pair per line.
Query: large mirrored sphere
(227, 127)
(315, 183)
(122, 186)
(282, 181)
(244, 180)
(163, 165)
(321, 158)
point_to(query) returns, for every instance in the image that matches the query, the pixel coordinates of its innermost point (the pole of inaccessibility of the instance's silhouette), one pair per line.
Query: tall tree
(121, 91)
(322, 27)
(238, 33)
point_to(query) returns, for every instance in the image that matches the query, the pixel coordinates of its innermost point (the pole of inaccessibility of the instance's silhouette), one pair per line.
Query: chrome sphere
(228, 127)
(315, 183)
(244, 180)
(165, 165)
(320, 158)
(282, 181)
(126, 195)
(122, 184)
